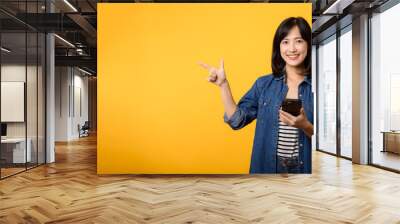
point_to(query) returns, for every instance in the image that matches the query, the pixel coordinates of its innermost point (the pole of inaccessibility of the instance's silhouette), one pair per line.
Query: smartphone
(292, 106)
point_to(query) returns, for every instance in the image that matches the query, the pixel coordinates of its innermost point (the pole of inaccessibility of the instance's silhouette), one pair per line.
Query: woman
(282, 142)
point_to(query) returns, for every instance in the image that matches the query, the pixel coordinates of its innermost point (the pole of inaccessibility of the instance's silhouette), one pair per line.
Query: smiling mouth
(293, 57)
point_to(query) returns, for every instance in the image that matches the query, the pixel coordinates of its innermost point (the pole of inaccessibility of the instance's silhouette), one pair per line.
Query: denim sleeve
(312, 107)
(246, 110)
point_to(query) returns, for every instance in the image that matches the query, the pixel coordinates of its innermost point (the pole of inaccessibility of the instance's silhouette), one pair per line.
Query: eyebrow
(296, 38)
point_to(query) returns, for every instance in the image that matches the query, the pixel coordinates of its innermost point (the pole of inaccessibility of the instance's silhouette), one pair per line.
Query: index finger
(287, 115)
(204, 65)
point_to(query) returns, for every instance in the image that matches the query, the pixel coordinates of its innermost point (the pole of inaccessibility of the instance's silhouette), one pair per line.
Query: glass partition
(14, 154)
(385, 89)
(32, 95)
(326, 96)
(22, 88)
(346, 92)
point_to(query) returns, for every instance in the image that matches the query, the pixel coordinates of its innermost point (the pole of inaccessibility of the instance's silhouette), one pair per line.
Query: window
(346, 95)
(326, 96)
(385, 88)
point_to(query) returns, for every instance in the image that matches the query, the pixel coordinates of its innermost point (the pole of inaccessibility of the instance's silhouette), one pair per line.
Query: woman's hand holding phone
(299, 121)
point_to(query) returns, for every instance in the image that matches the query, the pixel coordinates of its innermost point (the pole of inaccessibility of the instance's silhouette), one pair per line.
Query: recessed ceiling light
(71, 6)
(5, 50)
(64, 40)
(84, 71)
(338, 6)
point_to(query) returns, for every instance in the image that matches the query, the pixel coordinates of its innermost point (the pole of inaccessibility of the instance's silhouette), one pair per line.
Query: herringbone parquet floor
(70, 191)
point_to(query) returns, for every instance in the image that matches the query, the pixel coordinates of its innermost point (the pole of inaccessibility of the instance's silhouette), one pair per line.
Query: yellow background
(157, 114)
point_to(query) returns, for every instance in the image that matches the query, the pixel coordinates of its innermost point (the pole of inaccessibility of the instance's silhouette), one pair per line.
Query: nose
(292, 47)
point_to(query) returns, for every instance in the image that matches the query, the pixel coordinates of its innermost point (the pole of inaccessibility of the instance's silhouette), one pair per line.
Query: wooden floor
(70, 191)
(387, 159)
(9, 171)
(5, 172)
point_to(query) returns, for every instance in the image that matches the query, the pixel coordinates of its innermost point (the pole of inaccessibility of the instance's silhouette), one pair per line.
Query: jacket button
(265, 103)
(301, 162)
(301, 144)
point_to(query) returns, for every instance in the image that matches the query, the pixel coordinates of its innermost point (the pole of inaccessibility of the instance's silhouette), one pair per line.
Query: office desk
(391, 141)
(15, 148)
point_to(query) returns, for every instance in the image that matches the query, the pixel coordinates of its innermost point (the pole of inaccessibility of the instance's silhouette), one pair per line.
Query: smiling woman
(159, 116)
(282, 142)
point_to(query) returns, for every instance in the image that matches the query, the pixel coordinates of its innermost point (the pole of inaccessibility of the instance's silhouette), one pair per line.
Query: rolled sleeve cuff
(235, 120)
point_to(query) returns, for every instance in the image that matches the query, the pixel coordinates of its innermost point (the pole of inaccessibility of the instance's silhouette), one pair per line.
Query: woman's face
(293, 48)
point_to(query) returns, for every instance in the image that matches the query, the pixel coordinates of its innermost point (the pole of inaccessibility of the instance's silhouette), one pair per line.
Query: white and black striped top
(287, 141)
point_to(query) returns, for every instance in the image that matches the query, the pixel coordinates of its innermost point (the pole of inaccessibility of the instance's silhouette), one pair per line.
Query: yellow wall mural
(157, 113)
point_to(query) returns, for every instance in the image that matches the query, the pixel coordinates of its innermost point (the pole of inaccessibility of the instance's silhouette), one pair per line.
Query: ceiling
(332, 15)
(76, 22)
(72, 20)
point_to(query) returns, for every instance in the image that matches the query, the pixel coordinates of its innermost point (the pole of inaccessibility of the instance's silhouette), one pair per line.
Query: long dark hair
(278, 64)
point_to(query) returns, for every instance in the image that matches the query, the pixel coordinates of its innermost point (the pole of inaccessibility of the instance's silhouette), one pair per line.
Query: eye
(284, 42)
(299, 41)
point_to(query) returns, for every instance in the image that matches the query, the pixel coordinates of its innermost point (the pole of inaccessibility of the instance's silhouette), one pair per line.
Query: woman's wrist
(224, 84)
(305, 125)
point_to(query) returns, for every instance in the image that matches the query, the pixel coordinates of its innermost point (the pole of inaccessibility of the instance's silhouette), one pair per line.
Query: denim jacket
(263, 101)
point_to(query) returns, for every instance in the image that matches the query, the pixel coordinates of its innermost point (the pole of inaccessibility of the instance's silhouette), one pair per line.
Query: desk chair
(84, 130)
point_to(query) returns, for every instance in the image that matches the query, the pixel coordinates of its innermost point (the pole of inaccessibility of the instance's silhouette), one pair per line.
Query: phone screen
(292, 106)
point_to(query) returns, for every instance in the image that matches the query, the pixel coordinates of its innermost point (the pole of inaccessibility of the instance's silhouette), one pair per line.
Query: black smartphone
(292, 106)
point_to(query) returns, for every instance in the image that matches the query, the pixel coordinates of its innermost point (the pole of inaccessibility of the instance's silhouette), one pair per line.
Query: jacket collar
(307, 78)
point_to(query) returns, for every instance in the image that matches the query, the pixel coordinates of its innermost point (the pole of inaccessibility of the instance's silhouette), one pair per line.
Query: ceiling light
(71, 6)
(338, 6)
(84, 71)
(5, 50)
(64, 40)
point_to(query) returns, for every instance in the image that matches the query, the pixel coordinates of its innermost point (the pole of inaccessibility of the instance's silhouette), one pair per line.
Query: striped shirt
(288, 142)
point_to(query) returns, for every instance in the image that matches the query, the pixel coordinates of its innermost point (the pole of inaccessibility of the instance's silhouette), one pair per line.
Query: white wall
(33, 127)
(12, 73)
(62, 80)
(9, 73)
(71, 93)
(80, 83)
